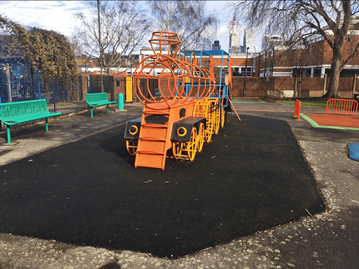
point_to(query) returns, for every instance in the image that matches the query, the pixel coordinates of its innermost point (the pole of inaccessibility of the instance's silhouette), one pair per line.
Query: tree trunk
(335, 68)
(334, 80)
(8, 81)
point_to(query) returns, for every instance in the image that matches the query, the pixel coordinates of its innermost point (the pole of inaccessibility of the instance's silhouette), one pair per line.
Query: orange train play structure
(184, 103)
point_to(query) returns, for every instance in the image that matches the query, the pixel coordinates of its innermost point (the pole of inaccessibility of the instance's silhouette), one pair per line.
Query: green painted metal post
(91, 113)
(120, 101)
(8, 134)
(47, 124)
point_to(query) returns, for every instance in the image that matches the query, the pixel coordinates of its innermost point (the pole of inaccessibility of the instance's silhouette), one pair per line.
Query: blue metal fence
(18, 81)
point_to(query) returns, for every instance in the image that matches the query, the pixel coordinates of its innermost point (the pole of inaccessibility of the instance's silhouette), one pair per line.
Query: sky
(59, 16)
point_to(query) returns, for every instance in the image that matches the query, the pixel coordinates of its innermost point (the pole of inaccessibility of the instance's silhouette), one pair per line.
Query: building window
(308, 72)
(117, 83)
(249, 71)
(317, 73)
(302, 72)
(345, 73)
(235, 72)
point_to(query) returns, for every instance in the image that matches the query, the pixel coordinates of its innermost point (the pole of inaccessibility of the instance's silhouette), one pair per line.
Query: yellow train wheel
(209, 128)
(216, 116)
(131, 146)
(208, 133)
(192, 145)
(200, 137)
(203, 108)
(177, 149)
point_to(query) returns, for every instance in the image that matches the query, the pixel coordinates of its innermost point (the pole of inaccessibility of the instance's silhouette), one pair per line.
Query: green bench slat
(25, 111)
(98, 99)
(101, 103)
(19, 119)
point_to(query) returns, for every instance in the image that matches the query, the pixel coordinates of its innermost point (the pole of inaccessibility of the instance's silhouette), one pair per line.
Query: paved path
(327, 240)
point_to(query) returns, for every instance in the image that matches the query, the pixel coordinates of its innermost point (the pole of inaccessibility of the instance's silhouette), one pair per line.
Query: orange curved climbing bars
(342, 106)
(175, 78)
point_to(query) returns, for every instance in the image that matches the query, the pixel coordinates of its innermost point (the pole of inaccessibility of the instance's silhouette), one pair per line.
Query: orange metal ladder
(152, 143)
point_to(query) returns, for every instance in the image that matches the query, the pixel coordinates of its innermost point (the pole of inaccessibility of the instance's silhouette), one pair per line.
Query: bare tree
(330, 20)
(111, 30)
(186, 18)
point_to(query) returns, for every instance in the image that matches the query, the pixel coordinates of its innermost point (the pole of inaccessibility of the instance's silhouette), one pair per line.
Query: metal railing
(342, 106)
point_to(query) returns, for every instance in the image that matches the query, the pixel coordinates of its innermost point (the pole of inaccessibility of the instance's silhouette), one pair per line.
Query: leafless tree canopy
(298, 18)
(123, 26)
(186, 18)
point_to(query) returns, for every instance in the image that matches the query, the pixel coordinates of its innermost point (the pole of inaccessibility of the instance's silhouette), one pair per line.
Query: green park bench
(98, 99)
(25, 111)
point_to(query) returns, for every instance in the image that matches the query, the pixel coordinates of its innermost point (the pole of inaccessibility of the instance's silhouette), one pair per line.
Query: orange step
(152, 149)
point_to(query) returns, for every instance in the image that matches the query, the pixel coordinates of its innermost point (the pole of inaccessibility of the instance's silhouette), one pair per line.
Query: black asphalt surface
(251, 177)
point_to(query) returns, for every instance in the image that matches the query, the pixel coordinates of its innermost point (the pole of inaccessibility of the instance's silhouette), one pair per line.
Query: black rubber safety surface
(251, 177)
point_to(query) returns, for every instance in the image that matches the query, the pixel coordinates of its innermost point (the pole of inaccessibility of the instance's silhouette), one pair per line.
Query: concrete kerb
(327, 240)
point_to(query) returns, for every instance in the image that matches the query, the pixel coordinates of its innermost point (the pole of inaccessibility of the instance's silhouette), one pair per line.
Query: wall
(259, 87)
(284, 87)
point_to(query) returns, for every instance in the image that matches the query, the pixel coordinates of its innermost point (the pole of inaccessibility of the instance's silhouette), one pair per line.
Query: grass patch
(317, 103)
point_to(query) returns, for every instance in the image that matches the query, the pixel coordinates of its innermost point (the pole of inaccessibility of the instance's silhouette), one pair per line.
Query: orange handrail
(341, 106)
(230, 102)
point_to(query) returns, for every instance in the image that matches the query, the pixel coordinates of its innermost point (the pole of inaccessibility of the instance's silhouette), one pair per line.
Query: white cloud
(50, 15)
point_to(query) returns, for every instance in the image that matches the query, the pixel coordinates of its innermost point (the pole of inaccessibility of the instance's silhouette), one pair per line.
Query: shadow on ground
(250, 178)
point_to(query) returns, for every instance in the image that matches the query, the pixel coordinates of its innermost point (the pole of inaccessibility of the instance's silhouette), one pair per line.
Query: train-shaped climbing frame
(185, 99)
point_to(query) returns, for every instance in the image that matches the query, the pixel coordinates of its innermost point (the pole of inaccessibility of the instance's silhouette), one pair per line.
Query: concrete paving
(326, 240)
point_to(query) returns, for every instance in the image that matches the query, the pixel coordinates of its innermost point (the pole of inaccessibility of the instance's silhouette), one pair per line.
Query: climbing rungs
(153, 139)
(150, 160)
(153, 132)
(149, 145)
(149, 152)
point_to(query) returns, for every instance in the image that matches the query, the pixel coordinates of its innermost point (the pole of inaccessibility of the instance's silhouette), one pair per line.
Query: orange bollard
(297, 109)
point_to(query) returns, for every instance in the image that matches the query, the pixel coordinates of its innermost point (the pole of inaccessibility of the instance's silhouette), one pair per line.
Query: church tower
(234, 36)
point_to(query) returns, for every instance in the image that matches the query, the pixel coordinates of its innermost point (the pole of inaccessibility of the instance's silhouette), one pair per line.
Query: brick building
(311, 58)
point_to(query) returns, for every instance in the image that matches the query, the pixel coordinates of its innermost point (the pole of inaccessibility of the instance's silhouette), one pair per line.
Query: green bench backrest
(25, 108)
(95, 97)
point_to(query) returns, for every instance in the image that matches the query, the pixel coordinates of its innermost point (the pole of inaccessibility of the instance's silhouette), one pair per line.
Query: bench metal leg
(47, 124)
(8, 134)
(91, 113)
(107, 109)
